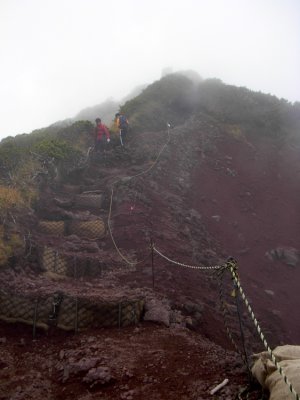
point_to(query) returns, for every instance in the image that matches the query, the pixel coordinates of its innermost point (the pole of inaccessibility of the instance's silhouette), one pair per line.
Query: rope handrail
(127, 179)
(232, 267)
(132, 263)
(214, 267)
(224, 310)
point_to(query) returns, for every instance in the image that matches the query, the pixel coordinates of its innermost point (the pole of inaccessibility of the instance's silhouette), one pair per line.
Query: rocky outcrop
(287, 255)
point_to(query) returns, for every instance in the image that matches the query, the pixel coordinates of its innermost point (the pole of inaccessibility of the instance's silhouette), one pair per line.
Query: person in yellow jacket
(122, 124)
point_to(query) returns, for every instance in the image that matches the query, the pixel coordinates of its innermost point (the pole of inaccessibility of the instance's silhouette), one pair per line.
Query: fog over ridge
(61, 57)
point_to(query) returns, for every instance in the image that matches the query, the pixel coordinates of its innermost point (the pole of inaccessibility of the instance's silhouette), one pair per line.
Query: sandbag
(278, 389)
(52, 227)
(94, 229)
(266, 373)
(287, 352)
(52, 261)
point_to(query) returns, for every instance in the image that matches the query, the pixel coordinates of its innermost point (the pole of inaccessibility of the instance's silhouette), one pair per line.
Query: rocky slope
(201, 192)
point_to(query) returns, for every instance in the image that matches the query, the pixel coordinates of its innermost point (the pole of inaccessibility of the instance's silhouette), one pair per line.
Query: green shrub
(54, 148)
(9, 198)
(257, 113)
(11, 155)
(9, 246)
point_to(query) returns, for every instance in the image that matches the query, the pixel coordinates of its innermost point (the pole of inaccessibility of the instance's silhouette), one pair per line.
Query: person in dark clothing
(122, 124)
(102, 136)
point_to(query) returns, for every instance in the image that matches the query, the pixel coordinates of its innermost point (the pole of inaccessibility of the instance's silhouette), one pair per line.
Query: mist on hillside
(65, 56)
(180, 95)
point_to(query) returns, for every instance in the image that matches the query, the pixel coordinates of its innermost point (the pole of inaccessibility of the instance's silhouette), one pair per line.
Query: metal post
(135, 318)
(36, 302)
(152, 262)
(241, 330)
(87, 267)
(120, 315)
(75, 266)
(55, 260)
(76, 315)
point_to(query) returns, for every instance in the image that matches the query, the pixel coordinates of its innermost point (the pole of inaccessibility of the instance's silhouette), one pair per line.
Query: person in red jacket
(101, 136)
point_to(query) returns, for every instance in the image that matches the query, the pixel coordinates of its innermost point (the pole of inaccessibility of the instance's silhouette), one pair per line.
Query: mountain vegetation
(175, 98)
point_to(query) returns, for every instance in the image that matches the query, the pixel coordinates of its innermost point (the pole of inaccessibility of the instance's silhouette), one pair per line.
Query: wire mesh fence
(56, 228)
(75, 266)
(69, 313)
(93, 229)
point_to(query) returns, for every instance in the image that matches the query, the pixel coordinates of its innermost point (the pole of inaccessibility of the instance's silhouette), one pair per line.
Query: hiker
(101, 133)
(122, 124)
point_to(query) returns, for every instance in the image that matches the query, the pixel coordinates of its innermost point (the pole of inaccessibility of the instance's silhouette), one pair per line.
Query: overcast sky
(59, 56)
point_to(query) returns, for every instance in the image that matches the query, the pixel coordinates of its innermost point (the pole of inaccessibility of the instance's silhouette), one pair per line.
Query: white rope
(215, 267)
(125, 180)
(260, 333)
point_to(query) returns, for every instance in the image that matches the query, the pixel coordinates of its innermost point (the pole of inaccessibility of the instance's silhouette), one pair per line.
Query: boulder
(288, 255)
(157, 311)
